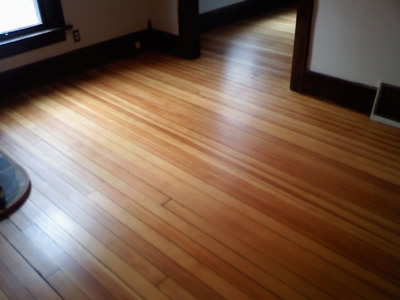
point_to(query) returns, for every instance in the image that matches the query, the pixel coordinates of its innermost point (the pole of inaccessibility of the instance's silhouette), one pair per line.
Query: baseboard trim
(164, 41)
(354, 96)
(232, 13)
(225, 15)
(26, 77)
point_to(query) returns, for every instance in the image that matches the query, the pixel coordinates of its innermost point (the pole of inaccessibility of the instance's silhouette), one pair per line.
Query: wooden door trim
(345, 93)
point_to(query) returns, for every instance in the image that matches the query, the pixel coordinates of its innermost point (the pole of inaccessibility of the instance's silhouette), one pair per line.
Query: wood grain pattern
(155, 177)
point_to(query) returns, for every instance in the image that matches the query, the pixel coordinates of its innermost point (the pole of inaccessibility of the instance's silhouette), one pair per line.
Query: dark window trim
(18, 33)
(51, 31)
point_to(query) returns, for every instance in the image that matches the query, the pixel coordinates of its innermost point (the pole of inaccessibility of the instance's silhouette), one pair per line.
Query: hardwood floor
(155, 177)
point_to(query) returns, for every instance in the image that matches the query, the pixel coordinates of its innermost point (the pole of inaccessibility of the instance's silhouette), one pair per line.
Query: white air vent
(386, 107)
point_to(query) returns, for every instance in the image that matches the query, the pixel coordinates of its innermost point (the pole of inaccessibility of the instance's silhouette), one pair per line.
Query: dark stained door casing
(189, 28)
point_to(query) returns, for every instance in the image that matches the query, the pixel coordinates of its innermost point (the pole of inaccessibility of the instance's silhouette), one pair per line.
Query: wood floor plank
(36, 285)
(27, 249)
(20, 220)
(182, 145)
(292, 181)
(212, 279)
(75, 272)
(199, 94)
(120, 268)
(126, 83)
(119, 247)
(117, 288)
(174, 290)
(155, 277)
(65, 287)
(186, 176)
(307, 162)
(11, 286)
(67, 266)
(47, 189)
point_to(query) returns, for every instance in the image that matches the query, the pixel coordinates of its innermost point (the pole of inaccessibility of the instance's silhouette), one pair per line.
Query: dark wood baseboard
(232, 13)
(42, 72)
(225, 15)
(164, 41)
(355, 96)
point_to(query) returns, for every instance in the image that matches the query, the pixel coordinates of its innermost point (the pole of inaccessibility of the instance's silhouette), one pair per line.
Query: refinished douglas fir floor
(156, 177)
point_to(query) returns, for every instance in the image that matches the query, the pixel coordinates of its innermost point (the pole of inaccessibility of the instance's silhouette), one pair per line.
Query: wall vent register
(386, 107)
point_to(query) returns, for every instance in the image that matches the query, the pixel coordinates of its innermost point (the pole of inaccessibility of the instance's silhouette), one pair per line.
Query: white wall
(102, 20)
(357, 40)
(209, 5)
(164, 15)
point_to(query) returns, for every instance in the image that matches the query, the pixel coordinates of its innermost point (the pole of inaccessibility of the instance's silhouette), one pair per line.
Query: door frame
(189, 28)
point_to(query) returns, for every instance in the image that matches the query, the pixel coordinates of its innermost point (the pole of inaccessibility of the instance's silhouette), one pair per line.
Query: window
(18, 14)
(29, 24)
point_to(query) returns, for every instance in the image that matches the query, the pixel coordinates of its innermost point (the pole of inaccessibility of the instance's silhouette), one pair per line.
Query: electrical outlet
(77, 35)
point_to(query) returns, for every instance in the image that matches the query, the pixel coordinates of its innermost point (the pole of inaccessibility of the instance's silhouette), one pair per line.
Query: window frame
(52, 30)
